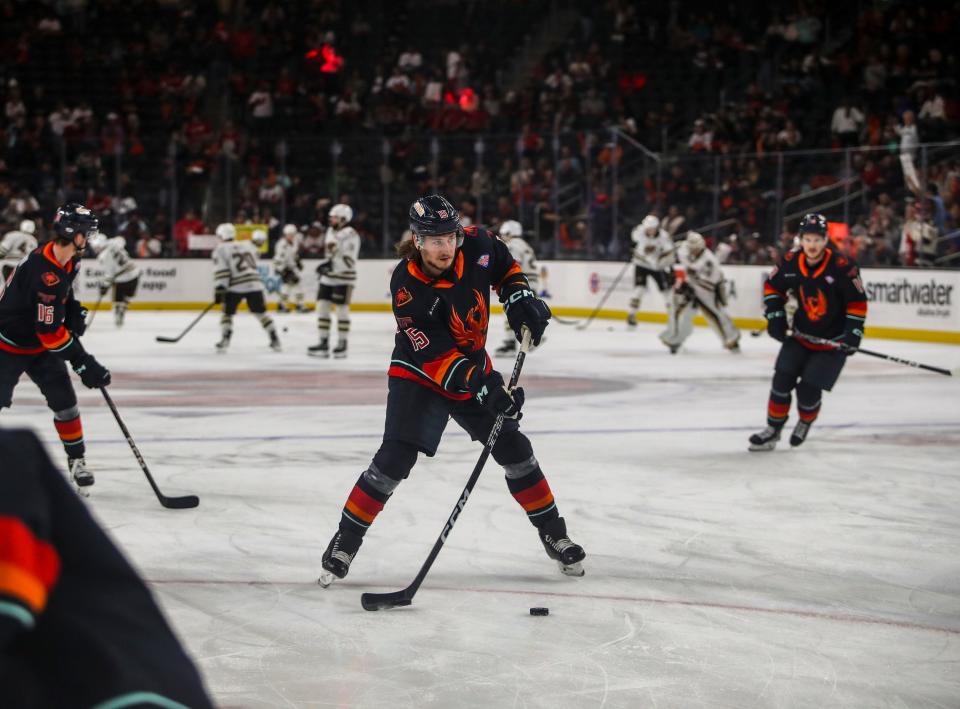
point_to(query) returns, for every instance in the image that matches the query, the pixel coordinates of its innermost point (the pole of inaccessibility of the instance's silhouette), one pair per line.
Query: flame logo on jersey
(403, 297)
(472, 335)
(50, 278)
(815, 306)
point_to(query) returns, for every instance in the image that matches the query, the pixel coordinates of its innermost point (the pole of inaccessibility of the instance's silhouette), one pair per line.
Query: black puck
(539, 611)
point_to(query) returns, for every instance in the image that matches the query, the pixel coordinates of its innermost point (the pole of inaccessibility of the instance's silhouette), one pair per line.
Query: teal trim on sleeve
(17, 613)
(134, 698)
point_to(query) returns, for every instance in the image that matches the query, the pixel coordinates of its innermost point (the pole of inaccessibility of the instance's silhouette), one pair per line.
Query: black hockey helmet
(72, 219)
(434, 215)
(813, 223)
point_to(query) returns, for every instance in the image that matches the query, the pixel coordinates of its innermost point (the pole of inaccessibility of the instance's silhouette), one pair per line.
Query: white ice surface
(827, 576)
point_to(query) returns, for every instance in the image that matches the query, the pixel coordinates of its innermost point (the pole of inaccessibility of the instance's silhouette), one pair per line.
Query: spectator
(701, 140)
(933, 116)
(260, 104)
(846, 124)
(185, 227)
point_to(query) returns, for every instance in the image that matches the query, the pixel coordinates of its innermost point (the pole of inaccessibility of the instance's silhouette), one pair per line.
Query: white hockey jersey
(342, 247)
(15, 245)
(235, 267)
(653, 252)
(116, 263)
(703, 270)
(286, 255)
(523, 254)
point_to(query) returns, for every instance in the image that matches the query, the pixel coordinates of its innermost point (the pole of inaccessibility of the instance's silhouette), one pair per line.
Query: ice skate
(275, 342)
(223, 344)
(301, 308)
(81, 477)
(320, 350)
(341, 350)
(508, 347)
(765, 440)
(338, 557)
(566, 553)
(282, 308)
(800, 432)
(632, 320)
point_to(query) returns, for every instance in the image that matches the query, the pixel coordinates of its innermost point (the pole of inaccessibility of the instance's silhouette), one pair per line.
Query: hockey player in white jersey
(699, 284)
(511, 233)
(287, 263)
(653, 256)
(120, 272)
(236, 278)
(15, 245)
(338, 275)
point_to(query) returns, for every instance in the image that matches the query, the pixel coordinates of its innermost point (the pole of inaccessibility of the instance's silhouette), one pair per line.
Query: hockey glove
(93, 374)
(851, 338)
(524, 308)
(324, 267)
(777, 325)
(75, 319)
(219, 294)
(491, 393)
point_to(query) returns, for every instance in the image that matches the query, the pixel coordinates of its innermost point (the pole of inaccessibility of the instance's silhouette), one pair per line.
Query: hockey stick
(93, 313)
(377, 601)
(564, 321)
(161, 338)
(174, 503)
(955, 372)
(586, 324)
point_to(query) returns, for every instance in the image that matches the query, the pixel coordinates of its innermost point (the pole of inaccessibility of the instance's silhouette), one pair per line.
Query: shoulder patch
(50, 278)
(403, 297)
(788, 256)
(484, 261)
(841, 262)
(471, 230)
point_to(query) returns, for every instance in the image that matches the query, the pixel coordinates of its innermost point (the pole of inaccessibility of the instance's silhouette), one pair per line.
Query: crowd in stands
(168, 116)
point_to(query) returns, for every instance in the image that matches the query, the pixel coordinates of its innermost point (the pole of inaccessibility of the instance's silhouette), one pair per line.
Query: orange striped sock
(533, 493)
(71, 435)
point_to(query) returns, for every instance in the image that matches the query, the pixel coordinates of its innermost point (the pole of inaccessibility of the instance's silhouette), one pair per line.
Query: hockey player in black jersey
(831, 305)
(40, 327)
(78, 627)
(440, 370)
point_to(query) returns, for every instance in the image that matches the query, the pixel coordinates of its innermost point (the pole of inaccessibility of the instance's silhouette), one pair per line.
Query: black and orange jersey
(442, 322)
(33, 304)
(830, 295)
(78, 627)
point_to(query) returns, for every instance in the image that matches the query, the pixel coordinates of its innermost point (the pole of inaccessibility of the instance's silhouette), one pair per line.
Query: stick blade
(161, 338)
(180, 503)
(382, 601)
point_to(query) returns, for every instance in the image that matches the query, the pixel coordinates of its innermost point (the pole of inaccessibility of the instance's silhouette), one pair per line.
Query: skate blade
(340, 356)
(84, 491)
(318, 355)
(571, 569)
(326, 578)
(762, 447)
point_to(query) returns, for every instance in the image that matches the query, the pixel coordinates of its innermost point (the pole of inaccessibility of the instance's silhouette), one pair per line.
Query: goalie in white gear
(511, 233)
(236, 278)
(15, 246)
(287, 263)
(699, 283)
(338, 275)
(120, 272)
(653, 256)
